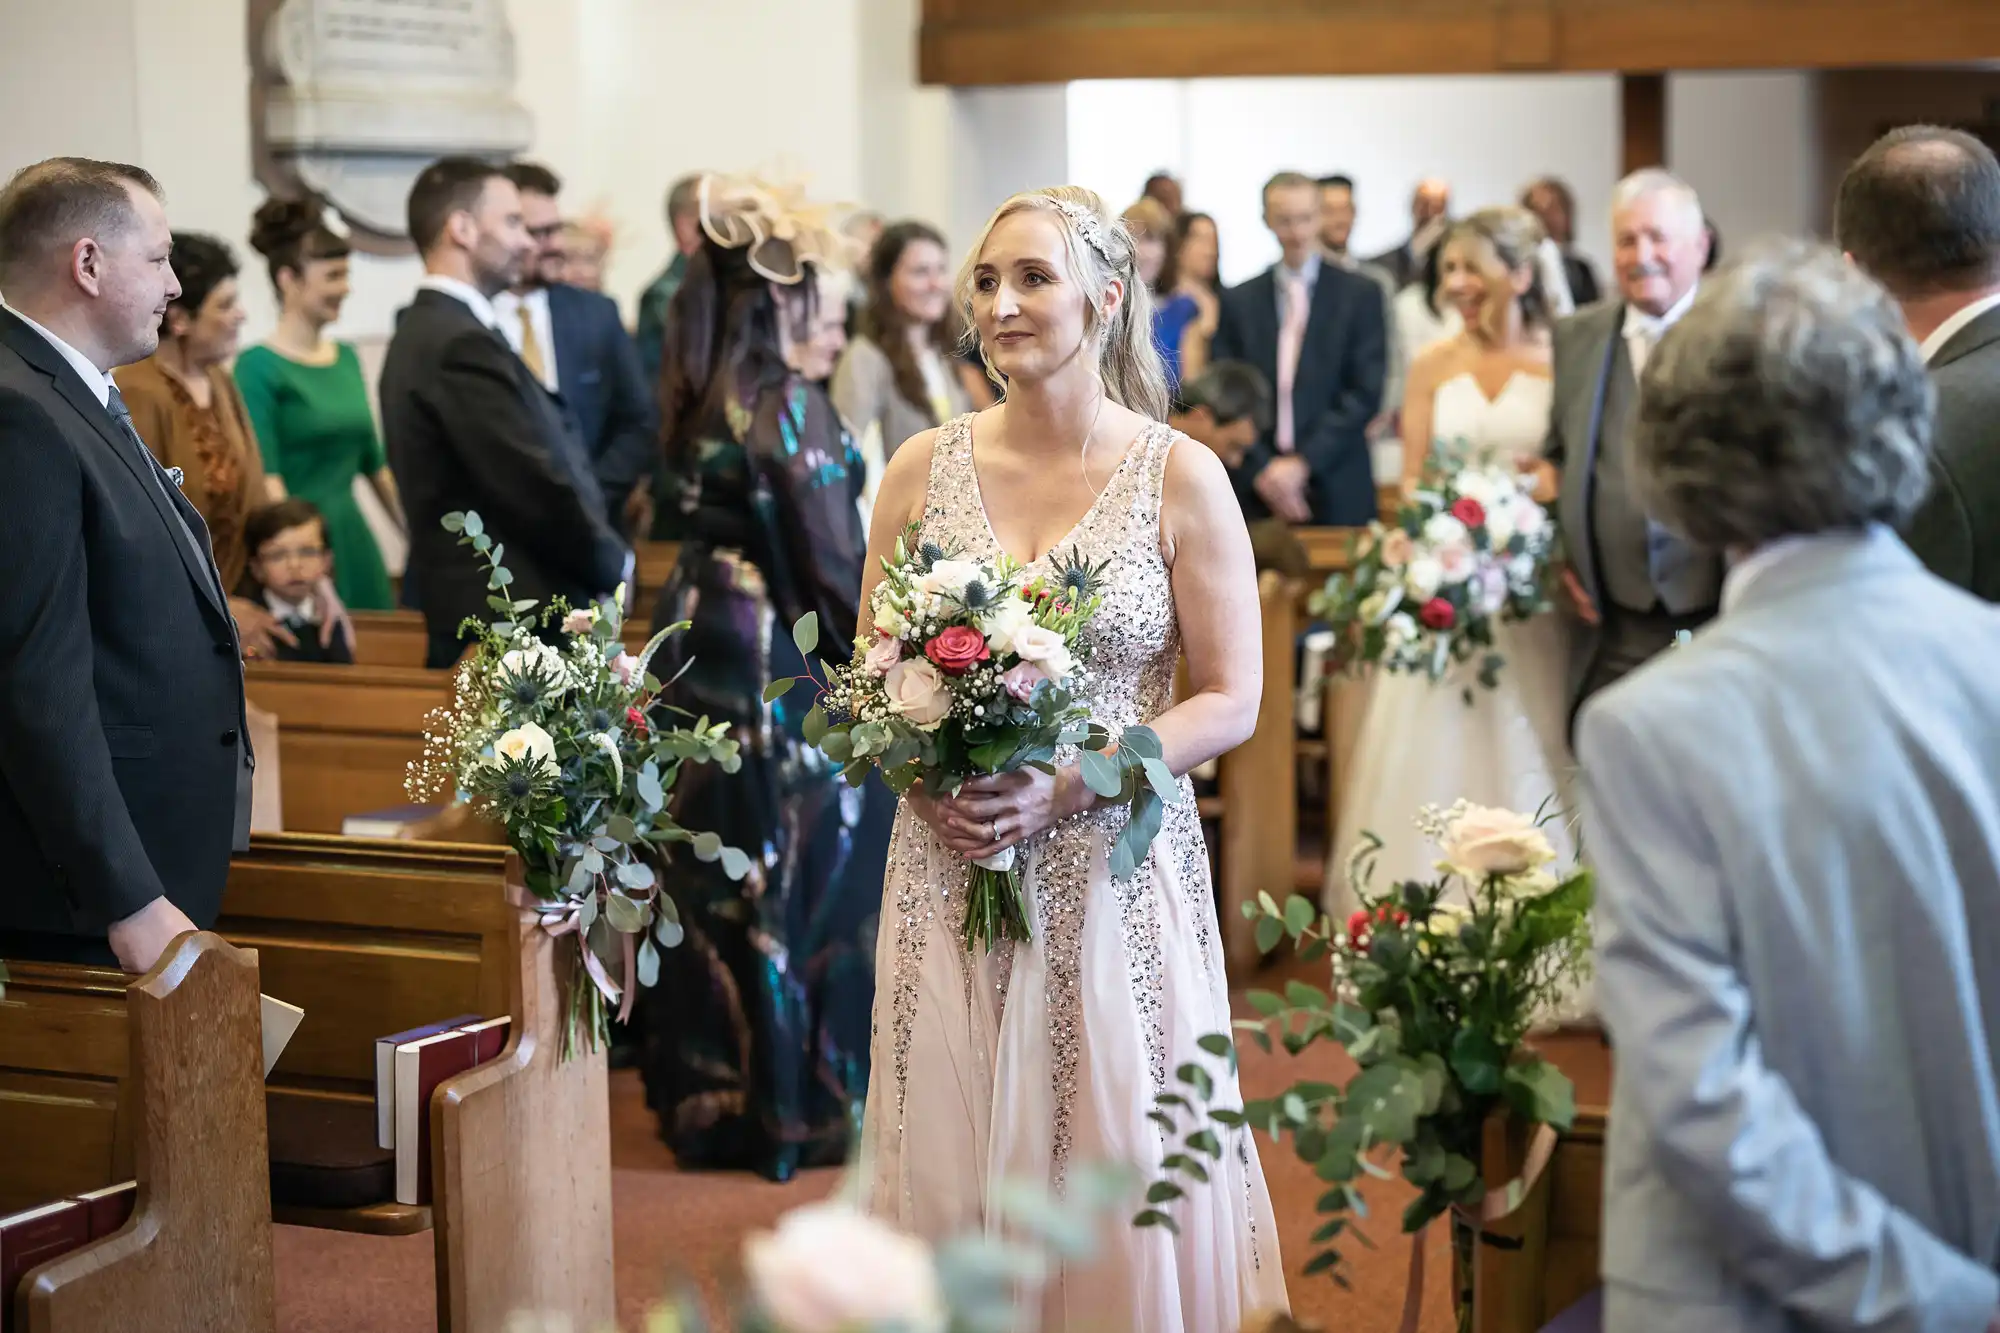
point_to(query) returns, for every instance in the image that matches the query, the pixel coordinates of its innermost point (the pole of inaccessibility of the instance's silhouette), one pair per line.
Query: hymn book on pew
(32, 1238)
(421, 1062)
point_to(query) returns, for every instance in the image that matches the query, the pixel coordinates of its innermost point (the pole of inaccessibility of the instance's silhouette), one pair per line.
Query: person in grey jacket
(1795, 819)
(1920, 211)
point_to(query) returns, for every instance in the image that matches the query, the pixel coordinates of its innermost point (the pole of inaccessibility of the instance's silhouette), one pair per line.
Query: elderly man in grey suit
(1796, 825)
(1920, 211)
(1633, 584)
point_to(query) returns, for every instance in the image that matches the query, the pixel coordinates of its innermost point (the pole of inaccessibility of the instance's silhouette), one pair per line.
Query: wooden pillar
(1643, 101)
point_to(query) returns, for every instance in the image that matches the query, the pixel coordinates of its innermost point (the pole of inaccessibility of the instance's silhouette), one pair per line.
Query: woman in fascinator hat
(755, 1039)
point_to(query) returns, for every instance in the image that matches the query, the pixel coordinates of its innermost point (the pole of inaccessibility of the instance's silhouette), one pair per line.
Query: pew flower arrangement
(972, 669)
(1469, 550)
(556, 743)
(1435, 987)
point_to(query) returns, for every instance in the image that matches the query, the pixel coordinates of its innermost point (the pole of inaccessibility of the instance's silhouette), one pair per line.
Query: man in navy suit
(576, 344)
(1317, 333)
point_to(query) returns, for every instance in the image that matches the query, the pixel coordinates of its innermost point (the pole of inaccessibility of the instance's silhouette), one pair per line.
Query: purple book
(385, 1073)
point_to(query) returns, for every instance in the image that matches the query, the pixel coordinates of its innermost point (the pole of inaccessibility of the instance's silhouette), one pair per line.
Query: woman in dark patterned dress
(755, 1040)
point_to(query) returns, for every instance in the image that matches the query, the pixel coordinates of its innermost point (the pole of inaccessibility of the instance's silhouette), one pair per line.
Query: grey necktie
(115, 404)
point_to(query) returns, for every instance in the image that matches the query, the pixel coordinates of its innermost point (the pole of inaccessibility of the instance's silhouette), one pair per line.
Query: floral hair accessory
(780, 228)
(1087, 225)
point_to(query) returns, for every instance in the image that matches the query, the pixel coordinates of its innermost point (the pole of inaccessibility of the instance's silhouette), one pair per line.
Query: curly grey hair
(1788, 400)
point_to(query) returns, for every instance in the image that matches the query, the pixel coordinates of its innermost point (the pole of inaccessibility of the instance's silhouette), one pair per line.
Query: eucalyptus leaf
(1141, 741)
(1197, 1078)
(636, 875)
(650, 790)
(649, 964)
(452, 522)
(593, 861)
(1102, 775)
(1299, 913)
(469, 523)
(1164, 1191)
(1270, 930)
(778, 689)
(1163, 781)
(814, 726)
(805, 634)
(626, 917)
(735, 863)
(707, 846)
(1268, 1003)
(1217, 1044)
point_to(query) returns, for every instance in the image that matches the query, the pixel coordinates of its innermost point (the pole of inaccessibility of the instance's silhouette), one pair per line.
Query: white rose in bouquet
(1481, 841)
(534, 659)
(525, 743)
(1378, 605)
(1528, 518)
(1046, 649)
(1500, 526)
(949, 577)
(830, 1268)
(1007, 617)
(1456, 564)
(917, 691)
(1443, 530)
(1422, 576)
(1401, 630)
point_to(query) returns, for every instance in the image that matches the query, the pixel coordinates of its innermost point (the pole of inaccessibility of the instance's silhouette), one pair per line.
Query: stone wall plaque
(351, 98)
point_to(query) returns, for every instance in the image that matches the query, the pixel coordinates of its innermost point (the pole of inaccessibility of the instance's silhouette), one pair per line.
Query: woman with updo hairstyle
(754, 1042)
(309, 401)
(186, 408)
(898, 375)
(1023, 1063)
(1480, 398)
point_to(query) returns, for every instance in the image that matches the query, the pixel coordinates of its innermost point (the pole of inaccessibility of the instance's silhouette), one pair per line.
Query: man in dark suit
(469, 427)
(1430, 214)
(577, 345)
(1316, 332)
(125, 764)
(1633, 584)
(1920, 213)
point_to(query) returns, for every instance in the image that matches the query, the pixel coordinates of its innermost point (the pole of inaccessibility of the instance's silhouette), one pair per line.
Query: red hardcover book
(30, 1239)
(489, 1038)
(109, 1208)
(420, 1066)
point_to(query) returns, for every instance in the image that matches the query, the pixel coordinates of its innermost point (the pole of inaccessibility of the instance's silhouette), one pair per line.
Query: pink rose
(917, 691)
(883, 654)
(1021, 679)
(958, 649)
(626, 668)
(1397, 549)
(579, 622)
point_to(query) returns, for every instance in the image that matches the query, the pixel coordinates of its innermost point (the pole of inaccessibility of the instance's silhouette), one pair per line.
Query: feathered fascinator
(781, 229)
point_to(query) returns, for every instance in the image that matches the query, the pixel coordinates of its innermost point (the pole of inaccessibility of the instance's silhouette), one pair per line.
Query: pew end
(1547, 1258)
(196, 1253)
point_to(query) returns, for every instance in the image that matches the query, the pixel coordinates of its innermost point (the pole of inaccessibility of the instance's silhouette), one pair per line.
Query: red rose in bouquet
(1360, 925)
(1469, 511)
(957, 650)
(1437, 614)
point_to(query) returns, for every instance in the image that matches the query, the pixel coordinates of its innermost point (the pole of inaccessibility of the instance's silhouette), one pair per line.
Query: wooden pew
(373, 937)
(654, 561)
(397, 638)
(346, 734)
(106, 1078)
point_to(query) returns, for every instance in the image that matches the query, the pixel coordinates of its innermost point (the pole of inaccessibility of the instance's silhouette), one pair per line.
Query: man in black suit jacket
(1313, 465)
(125, 764)
(469, 427)
(576, 343)
(1920, 213)
(1430, 214)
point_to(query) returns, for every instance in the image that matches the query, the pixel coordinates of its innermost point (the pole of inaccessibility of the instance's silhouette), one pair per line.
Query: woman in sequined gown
(754, 1042)
(1028, 1062)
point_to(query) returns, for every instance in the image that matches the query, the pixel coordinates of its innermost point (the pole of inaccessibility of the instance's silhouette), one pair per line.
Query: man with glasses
(577, 346)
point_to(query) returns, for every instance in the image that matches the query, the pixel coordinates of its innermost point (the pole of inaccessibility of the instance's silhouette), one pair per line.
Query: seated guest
(289, 556)
(470, 427)
(1227, 407)
(577, 346)
(1795, 819)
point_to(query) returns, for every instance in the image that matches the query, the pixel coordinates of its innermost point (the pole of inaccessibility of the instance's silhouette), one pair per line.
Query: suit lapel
(563, 334)
(1262, 294)
(1606, 364)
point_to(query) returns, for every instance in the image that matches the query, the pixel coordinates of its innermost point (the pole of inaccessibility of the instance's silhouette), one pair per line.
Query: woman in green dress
(308, 401)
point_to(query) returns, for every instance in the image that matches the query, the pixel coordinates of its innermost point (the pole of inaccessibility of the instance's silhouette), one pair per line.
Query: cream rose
(1422, 577)
(1046, 649)
(1485, 841)
(528, 743)
(1397, 548)
(884, 653)
(830, 1268)
(1007, 617)
(916, 690)
(1443, 530)
(949, 576)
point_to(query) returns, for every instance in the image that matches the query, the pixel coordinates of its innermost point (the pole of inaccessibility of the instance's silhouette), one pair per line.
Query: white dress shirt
(1307, 273)
(308, 610)
(464, 292)
(1643, 331)
(508, 307)
(97, 381)
(1946, 331)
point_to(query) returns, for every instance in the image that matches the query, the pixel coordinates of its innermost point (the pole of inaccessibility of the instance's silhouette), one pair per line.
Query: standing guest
(1197, 256)
(755, 1040)
(1633, 584)
(586, 246)
(187, 409)
(1166, 191)
(469, 426)
(1797, 844)
(1430, 214)
(1228, 408)
(1551, 200)
(289, 552)
(1336, 229)
(577, 346)
(899, 375)
(308, 401)
(1920, 212)
(118, 806)
(1175, 313)
(684, 222)
(1316, 332)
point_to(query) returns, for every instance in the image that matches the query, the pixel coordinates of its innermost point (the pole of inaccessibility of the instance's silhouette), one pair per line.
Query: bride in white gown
(1482, 395)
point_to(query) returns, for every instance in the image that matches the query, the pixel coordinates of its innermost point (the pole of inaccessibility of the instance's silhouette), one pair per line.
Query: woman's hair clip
(1086, 224)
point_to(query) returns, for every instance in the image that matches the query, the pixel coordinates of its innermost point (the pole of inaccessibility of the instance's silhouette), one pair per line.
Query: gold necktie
(531, 347)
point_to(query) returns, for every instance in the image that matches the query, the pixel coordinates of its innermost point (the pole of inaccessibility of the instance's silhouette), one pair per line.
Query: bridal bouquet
(971, 670)
(1435, 986)
(554, 742)
(1469, 550)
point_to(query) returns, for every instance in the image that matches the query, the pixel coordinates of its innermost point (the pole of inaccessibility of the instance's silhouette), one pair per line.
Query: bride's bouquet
(972, 669)
(1471, 549)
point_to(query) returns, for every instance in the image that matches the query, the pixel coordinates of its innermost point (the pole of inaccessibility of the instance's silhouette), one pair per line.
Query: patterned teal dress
(754, 1044)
